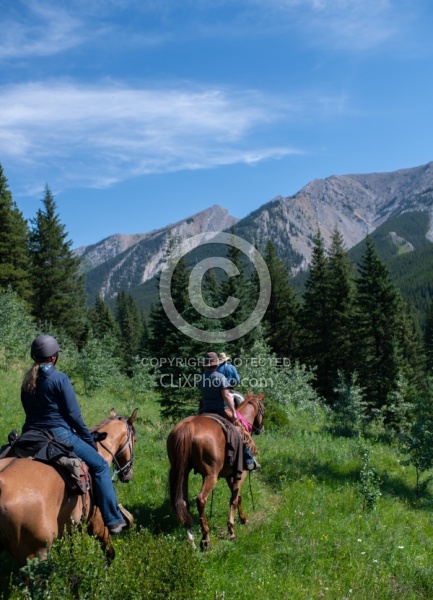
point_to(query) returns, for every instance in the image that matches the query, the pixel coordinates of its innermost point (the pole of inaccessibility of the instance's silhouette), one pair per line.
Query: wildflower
(359, 540)
(401, 547)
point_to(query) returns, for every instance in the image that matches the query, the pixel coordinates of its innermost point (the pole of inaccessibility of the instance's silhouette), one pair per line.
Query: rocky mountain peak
(124, 261)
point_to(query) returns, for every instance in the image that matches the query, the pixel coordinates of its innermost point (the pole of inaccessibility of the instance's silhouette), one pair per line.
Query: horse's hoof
(205, 545)
(232, 536)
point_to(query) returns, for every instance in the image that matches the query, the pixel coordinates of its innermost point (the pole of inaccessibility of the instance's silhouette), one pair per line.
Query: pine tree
(243, 290)
(280, 320)
(165, 338)
(102, 321)
(57, 285)
(417, 442)
(315, 324)
(428, 338)
(14, 253)
(376, 325)
(341, 296)
(412, 349)
(130, 328)
(169, 347)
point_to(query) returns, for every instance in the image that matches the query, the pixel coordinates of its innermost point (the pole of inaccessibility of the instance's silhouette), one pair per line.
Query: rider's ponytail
(29, 380)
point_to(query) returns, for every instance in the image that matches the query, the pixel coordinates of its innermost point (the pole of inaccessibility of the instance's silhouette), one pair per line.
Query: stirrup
(129, 519)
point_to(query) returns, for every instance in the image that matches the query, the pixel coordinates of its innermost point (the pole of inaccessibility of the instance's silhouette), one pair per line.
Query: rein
(260, 413)
(128, 444)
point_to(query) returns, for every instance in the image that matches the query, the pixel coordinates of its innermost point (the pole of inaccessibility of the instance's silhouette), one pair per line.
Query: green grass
(308, 536)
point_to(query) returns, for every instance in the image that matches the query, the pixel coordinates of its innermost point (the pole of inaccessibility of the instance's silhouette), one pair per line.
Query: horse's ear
(99, 436)
(262, 397)
(113, 413)
(133, 416)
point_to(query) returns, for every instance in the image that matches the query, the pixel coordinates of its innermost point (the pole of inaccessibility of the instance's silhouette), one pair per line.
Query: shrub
(96, 365)
(145, 567)
(417, 442)
(348, 416)
(287, 384)
(17, 329)
(369, 481)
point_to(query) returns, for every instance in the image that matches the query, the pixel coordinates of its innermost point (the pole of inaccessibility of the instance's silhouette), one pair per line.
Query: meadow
(330, 517)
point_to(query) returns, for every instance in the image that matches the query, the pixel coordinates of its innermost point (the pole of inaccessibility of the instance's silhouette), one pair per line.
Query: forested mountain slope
(395, 209)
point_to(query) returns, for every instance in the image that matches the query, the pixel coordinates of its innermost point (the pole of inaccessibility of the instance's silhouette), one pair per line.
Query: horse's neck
(110, 446)
(249, 413)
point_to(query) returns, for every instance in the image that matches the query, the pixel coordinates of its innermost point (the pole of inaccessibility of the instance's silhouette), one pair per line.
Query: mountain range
(356, 205)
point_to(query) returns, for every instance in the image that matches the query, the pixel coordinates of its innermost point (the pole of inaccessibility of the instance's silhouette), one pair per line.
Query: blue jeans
(101, 476)
(248, 456)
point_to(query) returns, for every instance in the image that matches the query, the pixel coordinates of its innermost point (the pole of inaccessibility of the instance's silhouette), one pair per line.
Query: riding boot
(250, 462)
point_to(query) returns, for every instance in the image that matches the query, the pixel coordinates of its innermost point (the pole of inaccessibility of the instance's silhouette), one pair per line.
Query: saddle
(234, 442)
(40, 445)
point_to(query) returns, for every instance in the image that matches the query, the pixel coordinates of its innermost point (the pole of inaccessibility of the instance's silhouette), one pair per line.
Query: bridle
(260, 412)
(124, 472)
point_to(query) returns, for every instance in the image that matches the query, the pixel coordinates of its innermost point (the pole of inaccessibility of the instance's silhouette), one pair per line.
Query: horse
(198, 443)
(36, 506)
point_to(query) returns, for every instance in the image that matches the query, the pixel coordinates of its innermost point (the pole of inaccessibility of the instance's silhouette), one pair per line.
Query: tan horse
(198, 443)
(36, 506)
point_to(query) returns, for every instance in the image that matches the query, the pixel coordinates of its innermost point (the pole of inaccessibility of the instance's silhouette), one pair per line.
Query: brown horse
(36, 506)
(198, 443)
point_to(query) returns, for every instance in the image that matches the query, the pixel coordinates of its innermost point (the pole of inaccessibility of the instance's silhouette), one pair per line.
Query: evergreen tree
(417, 441)
(169, 347)
(412, 350)
(341, 292)
(315, 324)
(280, 320)
(130, 328)
(57, 285)
(144, 343)
(102, 321)
(179, 351)
(428, 338)
(244, 290)
(14, 252)
(166, 339)
(376, 325)
(211, 292)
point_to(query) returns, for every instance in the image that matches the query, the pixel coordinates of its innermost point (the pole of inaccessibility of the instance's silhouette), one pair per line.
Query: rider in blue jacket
(229, 371)
(49, 403)
(216, 397)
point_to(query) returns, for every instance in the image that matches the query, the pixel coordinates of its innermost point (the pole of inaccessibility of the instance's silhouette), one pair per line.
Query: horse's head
(119, 443)
(256, 401)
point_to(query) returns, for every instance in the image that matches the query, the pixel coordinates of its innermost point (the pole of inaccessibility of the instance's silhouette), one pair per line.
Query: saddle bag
(40, 445)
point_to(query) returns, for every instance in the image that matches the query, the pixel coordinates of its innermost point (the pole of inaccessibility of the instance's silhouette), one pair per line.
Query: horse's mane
(250, 398)
(104, 422)
(110, 420)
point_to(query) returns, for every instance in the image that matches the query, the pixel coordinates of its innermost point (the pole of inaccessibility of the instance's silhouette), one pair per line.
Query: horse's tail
(179, 444)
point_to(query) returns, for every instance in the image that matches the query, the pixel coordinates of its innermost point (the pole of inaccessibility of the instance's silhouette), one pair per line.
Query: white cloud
(340, 24)
(39, 29)
(95, 136)
(43, 28)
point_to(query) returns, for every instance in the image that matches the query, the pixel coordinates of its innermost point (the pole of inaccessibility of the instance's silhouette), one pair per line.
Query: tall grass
(310, 533)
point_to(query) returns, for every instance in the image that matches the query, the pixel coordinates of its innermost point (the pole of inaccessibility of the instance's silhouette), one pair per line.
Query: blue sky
(138, 113)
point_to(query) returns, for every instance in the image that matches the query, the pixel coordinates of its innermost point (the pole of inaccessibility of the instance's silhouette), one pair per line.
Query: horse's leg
(185, 495)
(209, 482)
(96, 527)
(235, 503)
(242, 517)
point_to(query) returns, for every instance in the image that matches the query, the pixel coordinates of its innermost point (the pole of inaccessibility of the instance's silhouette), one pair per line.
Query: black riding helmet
(44, 346)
